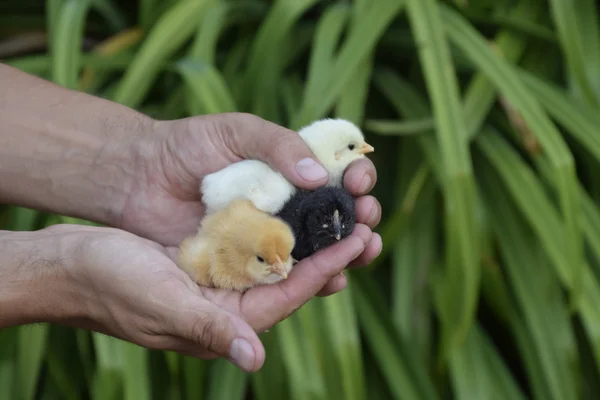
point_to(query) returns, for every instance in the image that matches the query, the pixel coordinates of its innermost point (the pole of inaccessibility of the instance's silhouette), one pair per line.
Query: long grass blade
(507, 81)
(572, 44)
(31, 351)
(168, 34)
(406, 377)
(407, 127)
(360, 43)
(8, 362)
(300, 362)
(227, 382)
(208, 86)
(479, 373)
(68, 38)
(342, 329)
(265, 62)
(581, 120)
(327, 35)
(543, 310)
(480, 94)
(462, 264)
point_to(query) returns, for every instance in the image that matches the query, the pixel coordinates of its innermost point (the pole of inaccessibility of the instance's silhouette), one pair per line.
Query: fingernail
(366, 183)
(310, 170)
(380, 245)
(242, 354)
(373, 213)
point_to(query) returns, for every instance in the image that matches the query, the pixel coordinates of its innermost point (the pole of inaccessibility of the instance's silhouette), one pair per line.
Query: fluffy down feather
(254, 180)
(238, 248)
(319, 218)
(335, 142)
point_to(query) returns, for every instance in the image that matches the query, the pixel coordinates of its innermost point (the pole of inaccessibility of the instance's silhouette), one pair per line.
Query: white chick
(250, 179)
(335, 142)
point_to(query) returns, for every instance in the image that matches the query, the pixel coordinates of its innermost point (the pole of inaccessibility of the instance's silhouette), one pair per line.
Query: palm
(252, 305)
(155, 269)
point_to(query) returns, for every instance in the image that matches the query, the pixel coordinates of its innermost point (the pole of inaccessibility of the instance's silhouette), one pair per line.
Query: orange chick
(237, 248)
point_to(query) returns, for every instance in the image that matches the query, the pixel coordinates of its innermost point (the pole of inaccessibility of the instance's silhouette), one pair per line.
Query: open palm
(137, 293)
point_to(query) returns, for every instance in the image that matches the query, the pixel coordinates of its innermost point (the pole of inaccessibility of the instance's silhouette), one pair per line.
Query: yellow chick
(237, 248)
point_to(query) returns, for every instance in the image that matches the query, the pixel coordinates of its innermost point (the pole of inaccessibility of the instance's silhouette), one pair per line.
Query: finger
(335, 285)
(368, 211)
(283, 149)
(209, 328)
(360, 177)
(266, 305)
(370, 253)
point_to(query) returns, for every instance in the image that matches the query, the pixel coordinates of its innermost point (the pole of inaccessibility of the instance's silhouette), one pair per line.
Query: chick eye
(260, 259)
(351, 146)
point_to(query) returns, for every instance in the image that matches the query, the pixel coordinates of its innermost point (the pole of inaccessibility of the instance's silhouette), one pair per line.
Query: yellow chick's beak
(366, 148)
(279, 269)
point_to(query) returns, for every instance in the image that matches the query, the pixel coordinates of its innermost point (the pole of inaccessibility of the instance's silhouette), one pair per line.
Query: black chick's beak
(337, 225)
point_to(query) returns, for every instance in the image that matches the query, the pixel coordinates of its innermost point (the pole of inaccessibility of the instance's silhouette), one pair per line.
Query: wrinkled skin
(74, 154)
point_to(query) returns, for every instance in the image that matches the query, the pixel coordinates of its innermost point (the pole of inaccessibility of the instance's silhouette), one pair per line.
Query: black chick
(318, 218)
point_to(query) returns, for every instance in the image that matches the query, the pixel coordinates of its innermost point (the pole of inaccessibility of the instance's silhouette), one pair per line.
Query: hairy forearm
(64, 151)
(34, 283)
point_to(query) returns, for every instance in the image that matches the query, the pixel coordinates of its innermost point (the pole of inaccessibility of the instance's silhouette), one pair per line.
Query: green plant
(483, 117)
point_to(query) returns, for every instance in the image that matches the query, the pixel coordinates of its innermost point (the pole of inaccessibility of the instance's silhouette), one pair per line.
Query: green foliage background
(484, 118)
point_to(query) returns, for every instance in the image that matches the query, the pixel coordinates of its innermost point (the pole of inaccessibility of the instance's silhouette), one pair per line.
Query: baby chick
(237, 248)
(250, 179)
(335, 142)
(319, 218)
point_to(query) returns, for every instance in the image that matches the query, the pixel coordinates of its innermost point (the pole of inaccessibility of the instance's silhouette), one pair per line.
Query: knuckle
(204, 331)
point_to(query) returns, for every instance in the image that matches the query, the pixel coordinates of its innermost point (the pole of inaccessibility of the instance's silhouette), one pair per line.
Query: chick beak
(366, 148)
(279, 269)
(337, 225)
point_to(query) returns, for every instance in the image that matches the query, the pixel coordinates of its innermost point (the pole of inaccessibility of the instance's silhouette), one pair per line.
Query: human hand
(164, 202)
(90, 158)
(128, 287)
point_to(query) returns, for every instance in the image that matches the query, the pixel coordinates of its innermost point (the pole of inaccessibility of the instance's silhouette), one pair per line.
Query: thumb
(213, 329)
(282, 148)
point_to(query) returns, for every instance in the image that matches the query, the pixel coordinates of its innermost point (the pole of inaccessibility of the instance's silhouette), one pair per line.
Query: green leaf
(572, 45)
(580, 119)
(208, 86)
(111, 14)
(168, 34)
(227, 381)
(31, 351)
(342, 328)
(544, 312)
(194, 371)
(479, 373)
(480, 94)
(300, 360)
(8, 362)
(327, 35)
(407, 127)
(265, 58)
(462, 273)
(360, 43)
(507, 81)
(406, 377)
(67, 42)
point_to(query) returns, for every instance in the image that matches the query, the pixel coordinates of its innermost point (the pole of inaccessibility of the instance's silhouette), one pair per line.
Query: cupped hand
(130, 288)
(171, 159)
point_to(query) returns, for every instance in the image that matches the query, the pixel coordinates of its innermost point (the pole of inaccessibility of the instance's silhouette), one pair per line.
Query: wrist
(35, 283)
(65, 151)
